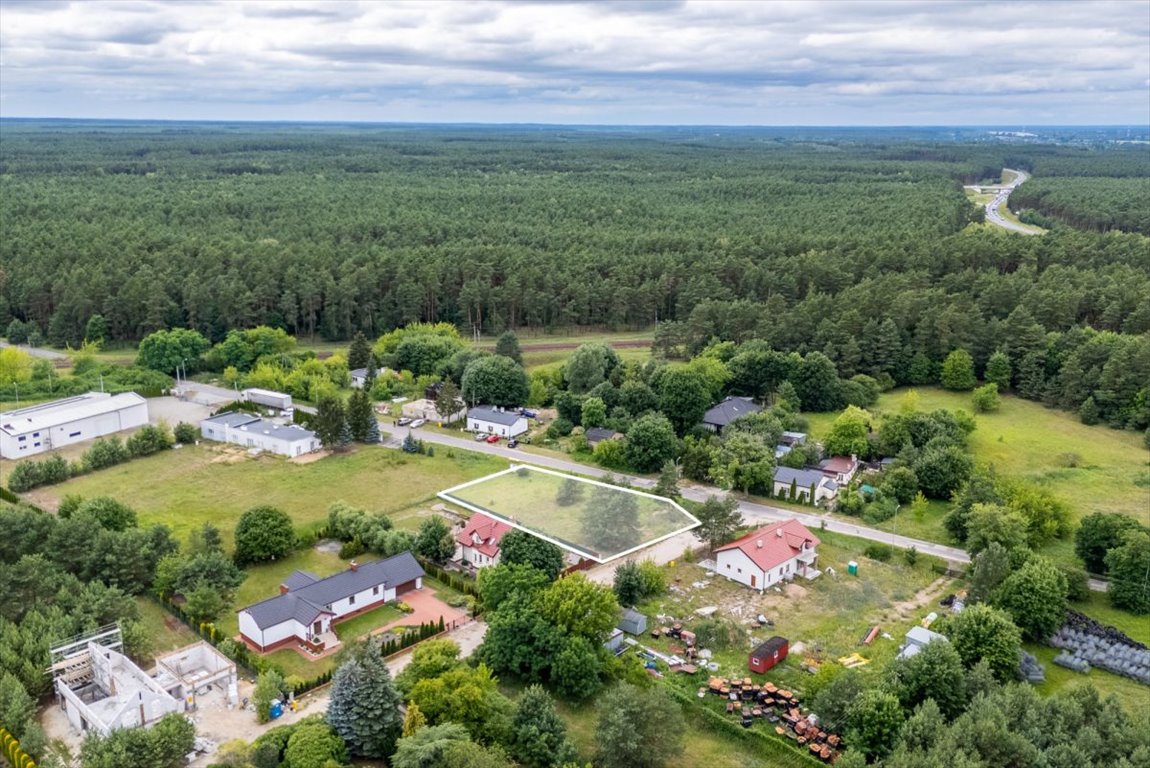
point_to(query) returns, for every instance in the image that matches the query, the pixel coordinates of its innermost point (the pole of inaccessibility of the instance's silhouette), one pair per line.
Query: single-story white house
(496, 421)
(763, 558)
(250, 431)
(40, 428)
(426, 409)
(307, 605)
(801, 481)
(477, 543)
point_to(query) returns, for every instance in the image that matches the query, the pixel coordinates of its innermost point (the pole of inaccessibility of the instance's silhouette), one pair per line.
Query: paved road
(47, 354)
(752, 511)
(993, 208)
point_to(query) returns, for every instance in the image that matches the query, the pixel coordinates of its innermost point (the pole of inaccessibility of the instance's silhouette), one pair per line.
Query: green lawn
(1024, 439)
(186, 488)
(364, 623)
(529, 496)
(700, 747)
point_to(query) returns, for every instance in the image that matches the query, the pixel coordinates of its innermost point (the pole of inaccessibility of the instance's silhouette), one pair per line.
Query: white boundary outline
(447, 495)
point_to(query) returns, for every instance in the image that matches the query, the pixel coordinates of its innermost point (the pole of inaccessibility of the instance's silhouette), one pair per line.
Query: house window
(740, 570)
(728, 566)
(22, 438)
(74, 434)
(35, 445)
(35, 434)
(351, 600)
(375, 590)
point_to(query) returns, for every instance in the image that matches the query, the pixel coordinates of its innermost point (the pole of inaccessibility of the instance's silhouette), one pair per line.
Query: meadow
(1091, 468)
(186, 488)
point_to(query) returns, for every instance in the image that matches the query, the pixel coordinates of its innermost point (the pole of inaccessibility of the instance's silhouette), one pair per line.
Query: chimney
(779, 532)
(283, 589)
(354, 565)
(759, 543)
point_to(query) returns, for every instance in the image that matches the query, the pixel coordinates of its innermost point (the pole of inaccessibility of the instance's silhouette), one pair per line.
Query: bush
(186, 433)
(105, 452)
(560, 428)
(25, 476)
(880, 552)
(985, 398)
(716, 634)
(148, 440)
(350, 549)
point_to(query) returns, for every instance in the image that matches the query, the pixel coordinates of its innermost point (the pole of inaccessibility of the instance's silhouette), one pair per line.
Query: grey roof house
(731, 408)
(596, 435)
(495, 421)
(250, 431)
(803, 480)
(307, 605)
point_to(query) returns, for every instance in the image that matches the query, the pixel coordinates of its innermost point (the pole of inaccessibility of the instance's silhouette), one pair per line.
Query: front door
(317, 628)
(753, 579)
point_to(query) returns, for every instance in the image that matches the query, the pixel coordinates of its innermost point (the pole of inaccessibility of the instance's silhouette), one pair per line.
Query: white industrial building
(44, 427)
(250, 431)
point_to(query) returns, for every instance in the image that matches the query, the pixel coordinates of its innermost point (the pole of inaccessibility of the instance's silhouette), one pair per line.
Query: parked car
(512, 443)
(403, 422)
(527, 414)
(418, 423)
(479, 438)
(493, 439)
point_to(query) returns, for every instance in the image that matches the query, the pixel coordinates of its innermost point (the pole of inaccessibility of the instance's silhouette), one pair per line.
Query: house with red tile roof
(477, 543)
(765, 557)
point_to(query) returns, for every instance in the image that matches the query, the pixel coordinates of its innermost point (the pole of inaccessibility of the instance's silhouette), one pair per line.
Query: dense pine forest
(858, 244)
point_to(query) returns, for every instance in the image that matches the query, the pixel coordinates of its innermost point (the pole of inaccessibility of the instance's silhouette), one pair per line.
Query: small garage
(633, 622)
(768, 654)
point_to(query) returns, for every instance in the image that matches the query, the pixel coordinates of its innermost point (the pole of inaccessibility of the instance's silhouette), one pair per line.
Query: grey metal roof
(487, 413)
(283, 432)
(791, 438)
(233, 418)
(306, 602)
(633, 615)
(728, 410)
(801, 477)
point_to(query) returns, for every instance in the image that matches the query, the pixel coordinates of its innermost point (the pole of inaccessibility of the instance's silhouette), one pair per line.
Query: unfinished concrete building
(100, 689)
(193, 671)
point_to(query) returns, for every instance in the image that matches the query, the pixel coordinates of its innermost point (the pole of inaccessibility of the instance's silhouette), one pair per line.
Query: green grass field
(1024, 439)
(196, 484)
(528, 496)
(164, 631)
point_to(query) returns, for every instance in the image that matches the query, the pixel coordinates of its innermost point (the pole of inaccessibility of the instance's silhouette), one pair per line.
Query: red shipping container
(768, 654)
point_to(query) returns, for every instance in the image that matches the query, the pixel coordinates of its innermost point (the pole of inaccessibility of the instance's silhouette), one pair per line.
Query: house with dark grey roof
(490, 420)
(731, 408)
(250, 431)
(307, 605)
(800, 484)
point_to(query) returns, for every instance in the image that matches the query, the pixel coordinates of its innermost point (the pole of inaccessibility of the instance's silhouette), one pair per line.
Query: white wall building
(801, 482)
(307, 605)
(495, 421)
(100, 689)
(44, 427)
(477, 543)
(763, 558)
(250, 431)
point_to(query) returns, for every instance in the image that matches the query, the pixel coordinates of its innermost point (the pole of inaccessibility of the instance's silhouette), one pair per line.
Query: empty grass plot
(588, 518)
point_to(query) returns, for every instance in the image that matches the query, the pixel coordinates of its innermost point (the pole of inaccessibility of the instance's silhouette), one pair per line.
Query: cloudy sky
(772, 62)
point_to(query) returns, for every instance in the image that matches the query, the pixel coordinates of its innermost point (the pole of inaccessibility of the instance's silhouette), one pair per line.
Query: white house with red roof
(477, 542)
(763, 558)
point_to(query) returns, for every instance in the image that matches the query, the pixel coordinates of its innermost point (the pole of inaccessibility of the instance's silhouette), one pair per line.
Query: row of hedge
(105, 452)
(13, 752)
(781, 751)
(412, 636)
(450, 578)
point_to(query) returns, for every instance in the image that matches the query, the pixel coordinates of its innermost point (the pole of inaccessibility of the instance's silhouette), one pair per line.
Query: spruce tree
(329, 423)
(359, 354)
(668, 484)
(364, 707)
(538, 734)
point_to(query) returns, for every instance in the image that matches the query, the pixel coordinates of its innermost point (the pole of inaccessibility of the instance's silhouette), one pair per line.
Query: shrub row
(13, 753)
(453, 580)
(412, 636)
(105, 452)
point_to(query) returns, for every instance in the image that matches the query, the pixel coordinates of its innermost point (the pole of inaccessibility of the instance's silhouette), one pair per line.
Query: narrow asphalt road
(994, 207)
(752, 511)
